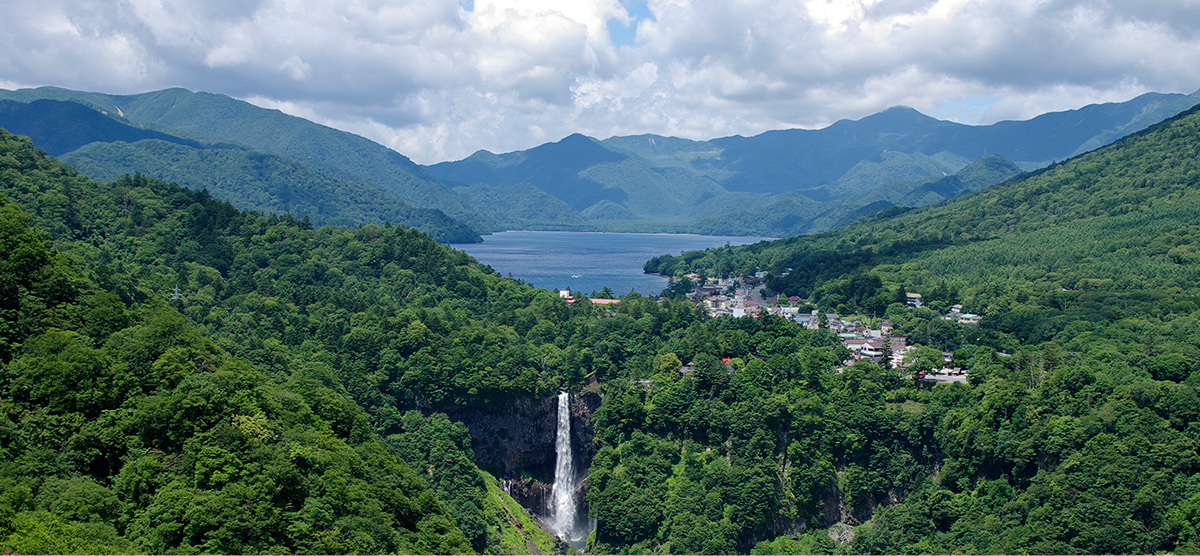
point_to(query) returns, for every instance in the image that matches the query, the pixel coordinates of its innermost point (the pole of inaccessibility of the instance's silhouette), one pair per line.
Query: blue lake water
(587, 261)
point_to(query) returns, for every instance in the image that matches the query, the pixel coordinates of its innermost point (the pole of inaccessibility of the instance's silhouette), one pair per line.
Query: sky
(439, 79)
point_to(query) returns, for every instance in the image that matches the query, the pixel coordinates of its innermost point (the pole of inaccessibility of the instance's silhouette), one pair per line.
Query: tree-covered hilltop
(125, 429)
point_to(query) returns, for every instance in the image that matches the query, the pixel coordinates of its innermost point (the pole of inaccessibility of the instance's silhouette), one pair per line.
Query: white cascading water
(562, 518)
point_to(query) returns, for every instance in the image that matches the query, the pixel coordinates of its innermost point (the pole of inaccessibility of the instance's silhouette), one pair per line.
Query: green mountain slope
(61, 127)
(601, 185)
(221, 118)
(127, 429)
(104, 148)
(182, 418)
(257, 181)
(797, 214)
(522, 207)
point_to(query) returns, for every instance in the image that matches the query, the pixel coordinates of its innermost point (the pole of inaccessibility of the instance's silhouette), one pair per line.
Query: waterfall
(562, 518)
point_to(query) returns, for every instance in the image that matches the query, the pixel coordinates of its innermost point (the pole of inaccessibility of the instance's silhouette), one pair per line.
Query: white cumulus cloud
(439, 79)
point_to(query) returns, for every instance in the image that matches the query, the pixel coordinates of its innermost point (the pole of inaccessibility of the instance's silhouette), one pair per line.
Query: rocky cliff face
(516, 442)
(583, 430)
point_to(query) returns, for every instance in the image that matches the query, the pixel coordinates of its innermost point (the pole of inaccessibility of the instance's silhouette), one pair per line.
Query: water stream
(564, 516)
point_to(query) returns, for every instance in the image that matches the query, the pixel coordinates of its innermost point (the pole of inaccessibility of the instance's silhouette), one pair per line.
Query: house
(862, 347)
(873, 349)
(855, 345)
(969, 318)
(835, 323)
(913, 300)
(717, 302)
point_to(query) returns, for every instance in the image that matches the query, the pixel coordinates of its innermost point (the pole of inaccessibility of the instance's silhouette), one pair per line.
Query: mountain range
(778, 183)
(796, 181)
(269, 161)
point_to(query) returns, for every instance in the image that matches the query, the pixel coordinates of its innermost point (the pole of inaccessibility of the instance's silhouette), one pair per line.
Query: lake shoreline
(589, 261)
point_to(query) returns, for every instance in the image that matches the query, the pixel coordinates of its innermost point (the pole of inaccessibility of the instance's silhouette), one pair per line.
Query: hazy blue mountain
(595, 180)
(798, 159)
(552, 167)
(800, 181)
(791, 214)
(222, 118)
(105, 146)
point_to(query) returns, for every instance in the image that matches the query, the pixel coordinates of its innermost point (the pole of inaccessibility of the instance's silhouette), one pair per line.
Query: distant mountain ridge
(788, 182)
(778, 183)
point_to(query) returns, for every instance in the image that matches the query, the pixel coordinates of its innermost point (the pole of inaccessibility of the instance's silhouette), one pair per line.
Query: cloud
(439, 79)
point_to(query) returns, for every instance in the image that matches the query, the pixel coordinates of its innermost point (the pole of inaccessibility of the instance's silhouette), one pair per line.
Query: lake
(587, 261)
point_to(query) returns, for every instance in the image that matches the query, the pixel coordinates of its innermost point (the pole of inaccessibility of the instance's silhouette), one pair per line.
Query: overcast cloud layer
(439, 79)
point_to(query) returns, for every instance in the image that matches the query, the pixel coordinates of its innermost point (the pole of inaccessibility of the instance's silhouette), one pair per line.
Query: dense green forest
(181, 376)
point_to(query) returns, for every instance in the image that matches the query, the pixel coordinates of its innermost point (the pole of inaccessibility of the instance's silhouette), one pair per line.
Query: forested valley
(183, 377)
